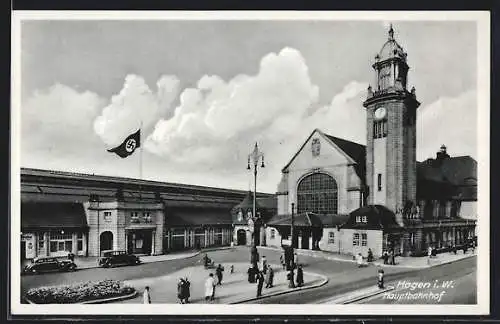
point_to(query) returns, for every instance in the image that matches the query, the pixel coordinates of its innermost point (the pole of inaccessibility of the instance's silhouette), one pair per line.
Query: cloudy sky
(206, 91)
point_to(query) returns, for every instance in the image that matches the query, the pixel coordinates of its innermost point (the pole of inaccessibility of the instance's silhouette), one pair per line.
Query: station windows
(380, 129)
(331, 237)
(364, 239)
(107, 216)
(355, 239)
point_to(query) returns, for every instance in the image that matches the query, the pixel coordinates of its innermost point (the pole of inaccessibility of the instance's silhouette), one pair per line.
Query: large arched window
(317, 193)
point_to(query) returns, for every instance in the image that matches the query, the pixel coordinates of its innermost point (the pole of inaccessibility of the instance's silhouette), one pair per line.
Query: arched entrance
(106, 240)
(241, 237)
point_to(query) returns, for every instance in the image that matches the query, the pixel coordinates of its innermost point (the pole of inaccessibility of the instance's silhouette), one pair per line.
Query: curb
(97, 301)
(378, 264)
(184, 257)
(324, 281)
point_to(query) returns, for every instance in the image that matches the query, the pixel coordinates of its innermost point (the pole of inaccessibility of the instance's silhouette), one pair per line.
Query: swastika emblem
(130, 145)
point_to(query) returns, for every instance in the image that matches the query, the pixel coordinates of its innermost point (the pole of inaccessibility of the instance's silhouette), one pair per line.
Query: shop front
(141, 240)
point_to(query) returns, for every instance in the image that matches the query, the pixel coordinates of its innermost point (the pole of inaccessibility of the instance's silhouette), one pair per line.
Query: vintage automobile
(112, 257)
(39, 265)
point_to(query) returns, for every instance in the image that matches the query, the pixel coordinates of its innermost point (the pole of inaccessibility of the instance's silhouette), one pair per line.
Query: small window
(80, 245)
(107, 216)
(53, 246)
(379, 182)
(331, 237)
(364, 219)
(364, 239)
(273, 233)
(41, 244)
(358, 219)
(355, 239)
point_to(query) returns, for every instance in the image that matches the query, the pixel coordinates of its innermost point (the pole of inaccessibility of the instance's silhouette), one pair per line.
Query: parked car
(39, 265)
(112, 258)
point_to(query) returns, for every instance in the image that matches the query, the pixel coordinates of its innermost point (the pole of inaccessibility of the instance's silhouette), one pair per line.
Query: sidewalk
(92, 262)
(401, 262)
(357, 295)
(235, 287)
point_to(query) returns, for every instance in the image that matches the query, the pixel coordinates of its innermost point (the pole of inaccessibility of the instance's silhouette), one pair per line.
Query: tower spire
(391, 32)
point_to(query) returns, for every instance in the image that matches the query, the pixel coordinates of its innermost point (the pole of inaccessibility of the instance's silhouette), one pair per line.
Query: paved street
(460, 277)
(343, 276)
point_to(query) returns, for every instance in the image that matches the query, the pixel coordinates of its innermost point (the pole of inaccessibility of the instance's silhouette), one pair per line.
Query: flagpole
(140, 164)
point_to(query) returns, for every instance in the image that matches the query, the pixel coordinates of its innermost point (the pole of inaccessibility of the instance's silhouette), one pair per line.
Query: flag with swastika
(129, 145)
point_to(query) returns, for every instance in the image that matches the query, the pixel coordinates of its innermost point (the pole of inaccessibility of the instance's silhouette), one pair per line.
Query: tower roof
(391, 48)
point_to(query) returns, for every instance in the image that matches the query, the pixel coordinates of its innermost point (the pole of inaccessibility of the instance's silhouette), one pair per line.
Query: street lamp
(254, 158)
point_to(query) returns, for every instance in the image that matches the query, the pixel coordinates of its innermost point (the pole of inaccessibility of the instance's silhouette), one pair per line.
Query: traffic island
(81, 293)
(234, 289)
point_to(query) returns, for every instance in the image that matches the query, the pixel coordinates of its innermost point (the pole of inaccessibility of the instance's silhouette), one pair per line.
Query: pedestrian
(282, 261)
(359, 260)
(260, 283)
(264, 264)
(295, 260)
(231, 269)
(380, 278)
(146, 296)
(300, 276)
(385, 256)
(370, 255)
(186, 291)
(180, 291)
(465, 248)
(270, 277)
(251, 274)
(473, 246)
(289, 277)
(210, 287)
(393, 262)
(71, 257)
(218, 272)
(206, 260)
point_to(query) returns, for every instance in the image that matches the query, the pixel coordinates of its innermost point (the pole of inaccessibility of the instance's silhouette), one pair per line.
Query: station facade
(348, 198)
(63, 212)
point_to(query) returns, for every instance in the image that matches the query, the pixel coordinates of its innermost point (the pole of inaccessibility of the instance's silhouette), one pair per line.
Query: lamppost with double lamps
(254, 158)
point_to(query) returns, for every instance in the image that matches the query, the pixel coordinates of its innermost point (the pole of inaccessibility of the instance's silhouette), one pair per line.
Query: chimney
(442, 153)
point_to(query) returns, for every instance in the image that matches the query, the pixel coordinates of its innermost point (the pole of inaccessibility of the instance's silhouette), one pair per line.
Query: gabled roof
(354, 152)
(378, 218)
(52, 215)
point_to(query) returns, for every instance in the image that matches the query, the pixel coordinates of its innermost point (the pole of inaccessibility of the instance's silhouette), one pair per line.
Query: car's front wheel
(72, 267)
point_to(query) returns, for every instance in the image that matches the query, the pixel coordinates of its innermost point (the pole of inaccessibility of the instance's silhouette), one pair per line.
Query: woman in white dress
(210, 287)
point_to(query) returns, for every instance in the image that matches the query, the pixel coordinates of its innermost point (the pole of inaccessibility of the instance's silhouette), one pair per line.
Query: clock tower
(391, 172)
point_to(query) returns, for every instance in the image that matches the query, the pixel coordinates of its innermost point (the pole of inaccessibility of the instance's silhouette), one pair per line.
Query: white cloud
(135, 104)
(58, 118)
(451, 121)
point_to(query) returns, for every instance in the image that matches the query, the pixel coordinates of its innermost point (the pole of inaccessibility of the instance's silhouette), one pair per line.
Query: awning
(197, 217)
(52, 216)
(300, 220)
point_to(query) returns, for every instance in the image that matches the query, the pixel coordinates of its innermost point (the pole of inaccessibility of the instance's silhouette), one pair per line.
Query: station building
(347, 197)
(64, 212)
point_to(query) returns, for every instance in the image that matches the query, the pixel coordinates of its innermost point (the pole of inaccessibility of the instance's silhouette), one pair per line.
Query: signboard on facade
(30, 251)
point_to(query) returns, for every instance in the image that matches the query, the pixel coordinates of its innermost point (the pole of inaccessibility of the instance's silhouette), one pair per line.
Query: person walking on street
(264, 264)
(393, 262)
(295, 260)
(380, 278)
(186, 291)
(71, 257)
(300, 276)
(231, 270)
(289, 276)
(146, 296)
(370, 255)
(180, 295)
(385, 256)
(270, 276)
(210, 287)
(260, 283)
(218, 272)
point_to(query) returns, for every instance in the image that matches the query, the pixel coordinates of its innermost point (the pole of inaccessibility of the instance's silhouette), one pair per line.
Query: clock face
(380, 113)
